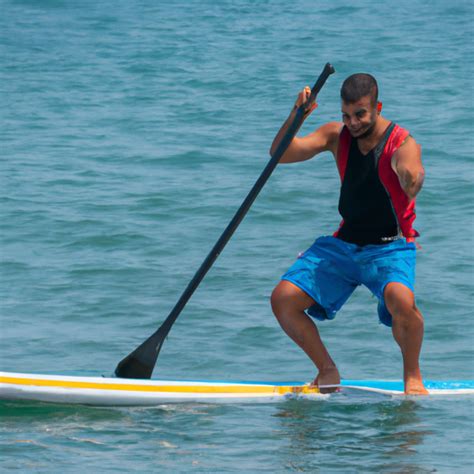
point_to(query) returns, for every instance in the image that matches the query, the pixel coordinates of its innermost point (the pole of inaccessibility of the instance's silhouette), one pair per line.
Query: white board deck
(103, 391)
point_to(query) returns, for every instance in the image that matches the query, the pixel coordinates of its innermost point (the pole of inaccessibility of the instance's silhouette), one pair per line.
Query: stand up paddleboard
(103, 391)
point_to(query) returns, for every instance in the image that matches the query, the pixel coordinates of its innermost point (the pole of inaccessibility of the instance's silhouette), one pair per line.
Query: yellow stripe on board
(270, 390)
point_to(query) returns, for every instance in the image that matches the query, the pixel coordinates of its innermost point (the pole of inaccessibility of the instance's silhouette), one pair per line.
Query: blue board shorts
(331, 269)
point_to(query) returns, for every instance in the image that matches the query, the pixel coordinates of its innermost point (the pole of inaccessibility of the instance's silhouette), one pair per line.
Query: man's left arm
(406, 162)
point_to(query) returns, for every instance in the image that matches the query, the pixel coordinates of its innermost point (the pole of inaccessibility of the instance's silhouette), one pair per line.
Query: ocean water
(131, 133)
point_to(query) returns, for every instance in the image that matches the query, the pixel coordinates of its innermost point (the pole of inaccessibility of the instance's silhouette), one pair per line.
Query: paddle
(140, 363)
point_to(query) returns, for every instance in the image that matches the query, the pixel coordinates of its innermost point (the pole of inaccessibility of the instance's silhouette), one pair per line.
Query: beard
(367, 133)
(369, 130)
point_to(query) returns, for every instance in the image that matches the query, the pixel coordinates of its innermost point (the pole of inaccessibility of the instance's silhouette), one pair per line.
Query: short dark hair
(357, 86)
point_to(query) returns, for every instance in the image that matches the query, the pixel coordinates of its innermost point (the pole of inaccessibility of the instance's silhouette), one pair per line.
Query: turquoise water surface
(131, 133)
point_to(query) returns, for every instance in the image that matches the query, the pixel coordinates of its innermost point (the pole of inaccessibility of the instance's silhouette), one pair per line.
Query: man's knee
(281, 298)
(400, 302)
(287, 296)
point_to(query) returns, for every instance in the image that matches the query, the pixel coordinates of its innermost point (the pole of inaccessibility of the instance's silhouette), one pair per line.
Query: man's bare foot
(328, 376)
(414, 386)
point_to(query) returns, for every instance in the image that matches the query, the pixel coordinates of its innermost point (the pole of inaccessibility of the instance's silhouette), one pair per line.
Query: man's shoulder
(332, 128)
(331, 131)
(407, 146)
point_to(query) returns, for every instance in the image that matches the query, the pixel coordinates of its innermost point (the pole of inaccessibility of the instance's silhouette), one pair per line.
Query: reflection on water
(342, 434)
(19, 411)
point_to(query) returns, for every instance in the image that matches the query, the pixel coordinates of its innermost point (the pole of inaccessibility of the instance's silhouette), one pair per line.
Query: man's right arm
(324, 138)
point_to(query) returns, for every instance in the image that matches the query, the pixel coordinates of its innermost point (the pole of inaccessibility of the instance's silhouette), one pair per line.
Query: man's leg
(407, 329)
(289, 304)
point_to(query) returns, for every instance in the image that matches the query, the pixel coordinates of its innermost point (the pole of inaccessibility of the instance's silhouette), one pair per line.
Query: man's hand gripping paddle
(140, 363)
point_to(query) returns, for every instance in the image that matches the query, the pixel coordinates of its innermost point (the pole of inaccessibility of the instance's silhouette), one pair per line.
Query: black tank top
(364, 203)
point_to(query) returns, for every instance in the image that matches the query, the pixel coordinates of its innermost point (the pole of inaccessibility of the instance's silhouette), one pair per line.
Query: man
(381, 173)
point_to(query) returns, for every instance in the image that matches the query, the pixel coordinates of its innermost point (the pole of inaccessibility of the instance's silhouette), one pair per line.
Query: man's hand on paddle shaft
(302, 99)
(304, 148)
(406, 162)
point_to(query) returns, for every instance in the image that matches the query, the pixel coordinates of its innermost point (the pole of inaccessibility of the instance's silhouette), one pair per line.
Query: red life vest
(403, 208)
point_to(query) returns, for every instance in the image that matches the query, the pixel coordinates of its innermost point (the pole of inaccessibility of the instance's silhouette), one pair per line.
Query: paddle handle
(140, 363)
(327, 71)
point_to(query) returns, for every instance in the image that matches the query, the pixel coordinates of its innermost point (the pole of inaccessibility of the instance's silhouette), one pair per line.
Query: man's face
(359, 117)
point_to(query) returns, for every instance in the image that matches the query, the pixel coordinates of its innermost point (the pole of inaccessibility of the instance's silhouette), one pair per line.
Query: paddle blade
(141, 362)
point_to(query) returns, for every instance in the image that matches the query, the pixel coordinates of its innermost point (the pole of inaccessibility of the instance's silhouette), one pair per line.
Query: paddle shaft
(248, 201)
(148, 351)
